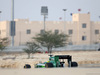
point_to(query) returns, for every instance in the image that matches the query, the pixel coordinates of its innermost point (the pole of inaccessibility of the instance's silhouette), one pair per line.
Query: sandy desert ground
(12, 63)
(53, 71)
(18, 60)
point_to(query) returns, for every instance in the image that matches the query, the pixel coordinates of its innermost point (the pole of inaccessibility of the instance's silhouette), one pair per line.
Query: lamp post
(12, 25)
(0, 18)
(12, 38)
(12, 10)
(99, 41)
(0, 12)
(19, 38)
(44, 22)
(44, 12)
(99, 38)
(64, 20)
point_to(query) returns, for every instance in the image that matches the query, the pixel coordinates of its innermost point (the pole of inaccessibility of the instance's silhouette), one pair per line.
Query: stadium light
(44, 12)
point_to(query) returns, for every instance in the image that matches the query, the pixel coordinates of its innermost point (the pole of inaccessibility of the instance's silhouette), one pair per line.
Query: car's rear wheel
(74, 64)
(99, 49)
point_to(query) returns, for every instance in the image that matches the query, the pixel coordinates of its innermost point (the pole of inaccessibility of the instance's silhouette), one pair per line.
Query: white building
(81, 29)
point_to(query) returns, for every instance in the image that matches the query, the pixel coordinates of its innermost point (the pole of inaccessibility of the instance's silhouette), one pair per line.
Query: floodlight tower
(99, 37)
(64, 20)
(12, 25)
(44, 12)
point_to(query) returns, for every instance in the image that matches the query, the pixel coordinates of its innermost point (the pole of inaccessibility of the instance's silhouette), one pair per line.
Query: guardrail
(66, 48)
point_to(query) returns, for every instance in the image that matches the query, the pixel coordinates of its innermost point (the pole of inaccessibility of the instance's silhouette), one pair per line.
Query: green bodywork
(54, 60)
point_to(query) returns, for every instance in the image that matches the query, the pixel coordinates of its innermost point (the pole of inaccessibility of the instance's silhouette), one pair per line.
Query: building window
(42, 31)
(83, 38)
(28, 31)
(56, 31)
(96, 31)
(70, 32)
(84, 25)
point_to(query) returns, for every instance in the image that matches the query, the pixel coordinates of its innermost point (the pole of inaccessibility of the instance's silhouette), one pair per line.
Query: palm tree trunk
(50, 51)
(28, 55)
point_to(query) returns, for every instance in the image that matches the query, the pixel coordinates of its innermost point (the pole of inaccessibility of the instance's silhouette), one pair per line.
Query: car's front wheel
(48, 65)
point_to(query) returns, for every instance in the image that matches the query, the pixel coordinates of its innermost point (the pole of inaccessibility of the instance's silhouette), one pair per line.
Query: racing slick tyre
(27, 66)
(48, 65)
(99, 49)
(74, 64)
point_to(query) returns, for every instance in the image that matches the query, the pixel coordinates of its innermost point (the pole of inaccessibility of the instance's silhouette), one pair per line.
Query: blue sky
(31, 9)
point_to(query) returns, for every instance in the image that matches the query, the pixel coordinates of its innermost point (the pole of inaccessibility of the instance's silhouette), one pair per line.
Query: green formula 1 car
(55, 61)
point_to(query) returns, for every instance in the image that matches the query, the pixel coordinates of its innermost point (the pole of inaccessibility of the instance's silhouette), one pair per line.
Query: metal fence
(67, 48)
